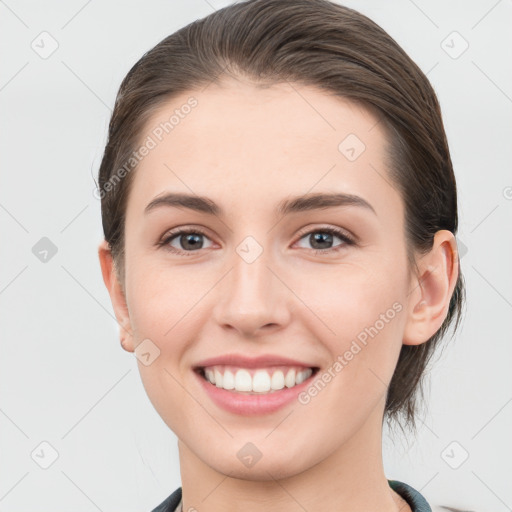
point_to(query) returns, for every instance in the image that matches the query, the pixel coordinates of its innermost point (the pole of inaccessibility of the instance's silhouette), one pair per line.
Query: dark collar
(413, 498)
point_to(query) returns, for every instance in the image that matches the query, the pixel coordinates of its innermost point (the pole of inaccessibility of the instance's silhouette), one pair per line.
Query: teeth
(210, 376)
(228, 380)
(243, 381)
(260, 381)
(257, 381)
(218, 378)
(289, 380)
(301, 377)
(277, 381)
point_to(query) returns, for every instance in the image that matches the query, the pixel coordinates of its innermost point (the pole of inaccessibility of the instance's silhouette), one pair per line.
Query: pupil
(322, 238)
(191, 240)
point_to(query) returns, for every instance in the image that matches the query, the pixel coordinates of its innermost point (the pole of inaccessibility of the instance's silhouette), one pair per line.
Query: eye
(187, 241)
(184, 241)
(322, 239)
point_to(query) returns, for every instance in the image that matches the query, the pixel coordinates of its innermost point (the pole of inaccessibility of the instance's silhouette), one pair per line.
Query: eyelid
(338, 231)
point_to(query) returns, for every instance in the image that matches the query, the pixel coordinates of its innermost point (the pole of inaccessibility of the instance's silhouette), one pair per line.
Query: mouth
(255, 381)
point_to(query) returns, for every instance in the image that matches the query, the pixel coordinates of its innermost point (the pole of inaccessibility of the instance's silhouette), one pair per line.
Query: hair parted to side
(328, 46)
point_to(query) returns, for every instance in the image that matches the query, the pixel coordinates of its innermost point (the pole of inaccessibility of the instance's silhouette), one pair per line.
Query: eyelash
(347, 240)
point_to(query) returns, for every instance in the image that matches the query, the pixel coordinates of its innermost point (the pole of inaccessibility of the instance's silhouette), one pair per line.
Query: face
(265, 272)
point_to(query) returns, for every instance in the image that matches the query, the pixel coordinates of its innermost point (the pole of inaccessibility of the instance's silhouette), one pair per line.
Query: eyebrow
(308, 202)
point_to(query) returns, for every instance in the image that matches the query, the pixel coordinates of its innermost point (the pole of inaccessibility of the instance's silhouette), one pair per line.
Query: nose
(252, 299)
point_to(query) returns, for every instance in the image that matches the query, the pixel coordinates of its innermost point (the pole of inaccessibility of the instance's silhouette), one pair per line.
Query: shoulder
(417, 502)
(413, 498)
(170, 503)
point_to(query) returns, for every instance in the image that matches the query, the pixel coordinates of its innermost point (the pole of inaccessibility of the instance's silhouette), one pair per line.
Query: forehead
(248, 147)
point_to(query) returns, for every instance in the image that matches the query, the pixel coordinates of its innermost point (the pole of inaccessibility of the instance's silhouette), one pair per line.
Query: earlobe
(117, 296)
(432, 289)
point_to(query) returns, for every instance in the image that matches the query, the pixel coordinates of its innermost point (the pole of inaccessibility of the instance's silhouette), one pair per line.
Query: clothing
(413, 498)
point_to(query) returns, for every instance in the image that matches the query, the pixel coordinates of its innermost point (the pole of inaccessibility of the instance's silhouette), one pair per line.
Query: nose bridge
(251, 297)
(251, 275)
(251, 285)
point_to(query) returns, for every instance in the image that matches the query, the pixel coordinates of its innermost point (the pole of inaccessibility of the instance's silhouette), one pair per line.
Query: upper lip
(252, 362)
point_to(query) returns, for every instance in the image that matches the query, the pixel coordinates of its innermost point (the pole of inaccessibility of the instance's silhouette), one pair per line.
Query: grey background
(64, 378)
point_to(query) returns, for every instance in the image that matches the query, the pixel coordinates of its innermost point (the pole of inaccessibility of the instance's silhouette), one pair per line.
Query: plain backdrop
(77, 430)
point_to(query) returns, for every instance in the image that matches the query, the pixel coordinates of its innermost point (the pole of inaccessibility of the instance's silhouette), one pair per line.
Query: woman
(279, 210)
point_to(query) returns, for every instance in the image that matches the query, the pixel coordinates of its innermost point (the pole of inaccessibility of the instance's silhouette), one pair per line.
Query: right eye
(187, 240)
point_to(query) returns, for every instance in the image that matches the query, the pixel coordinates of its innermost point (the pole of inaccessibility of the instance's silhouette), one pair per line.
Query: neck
(351, 479)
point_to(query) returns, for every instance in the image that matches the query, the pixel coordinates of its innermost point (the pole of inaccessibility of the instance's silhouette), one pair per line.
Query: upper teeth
(257, 380)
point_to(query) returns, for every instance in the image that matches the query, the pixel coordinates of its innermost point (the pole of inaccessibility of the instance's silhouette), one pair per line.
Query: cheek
(366, 317)
(345, 300)
(161, 305)
(161, 298)
(358, 316)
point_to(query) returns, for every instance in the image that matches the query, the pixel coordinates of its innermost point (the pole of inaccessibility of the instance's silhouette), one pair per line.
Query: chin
(266, 468)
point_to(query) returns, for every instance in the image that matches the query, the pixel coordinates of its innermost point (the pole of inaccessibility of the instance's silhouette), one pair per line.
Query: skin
(248, 148)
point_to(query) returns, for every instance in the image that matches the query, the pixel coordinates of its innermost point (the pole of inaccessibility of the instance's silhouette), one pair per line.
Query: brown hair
(328, 46)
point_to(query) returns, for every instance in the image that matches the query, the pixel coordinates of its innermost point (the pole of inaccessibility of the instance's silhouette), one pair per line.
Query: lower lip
(252, 405)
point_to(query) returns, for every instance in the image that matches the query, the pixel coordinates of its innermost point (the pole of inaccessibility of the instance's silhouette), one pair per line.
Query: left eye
(322, 237)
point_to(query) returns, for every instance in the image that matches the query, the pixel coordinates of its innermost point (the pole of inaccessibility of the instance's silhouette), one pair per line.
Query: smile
(256, 380)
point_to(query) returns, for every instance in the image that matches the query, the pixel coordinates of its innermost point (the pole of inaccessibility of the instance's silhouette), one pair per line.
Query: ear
(117, 296)
(432, 289)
